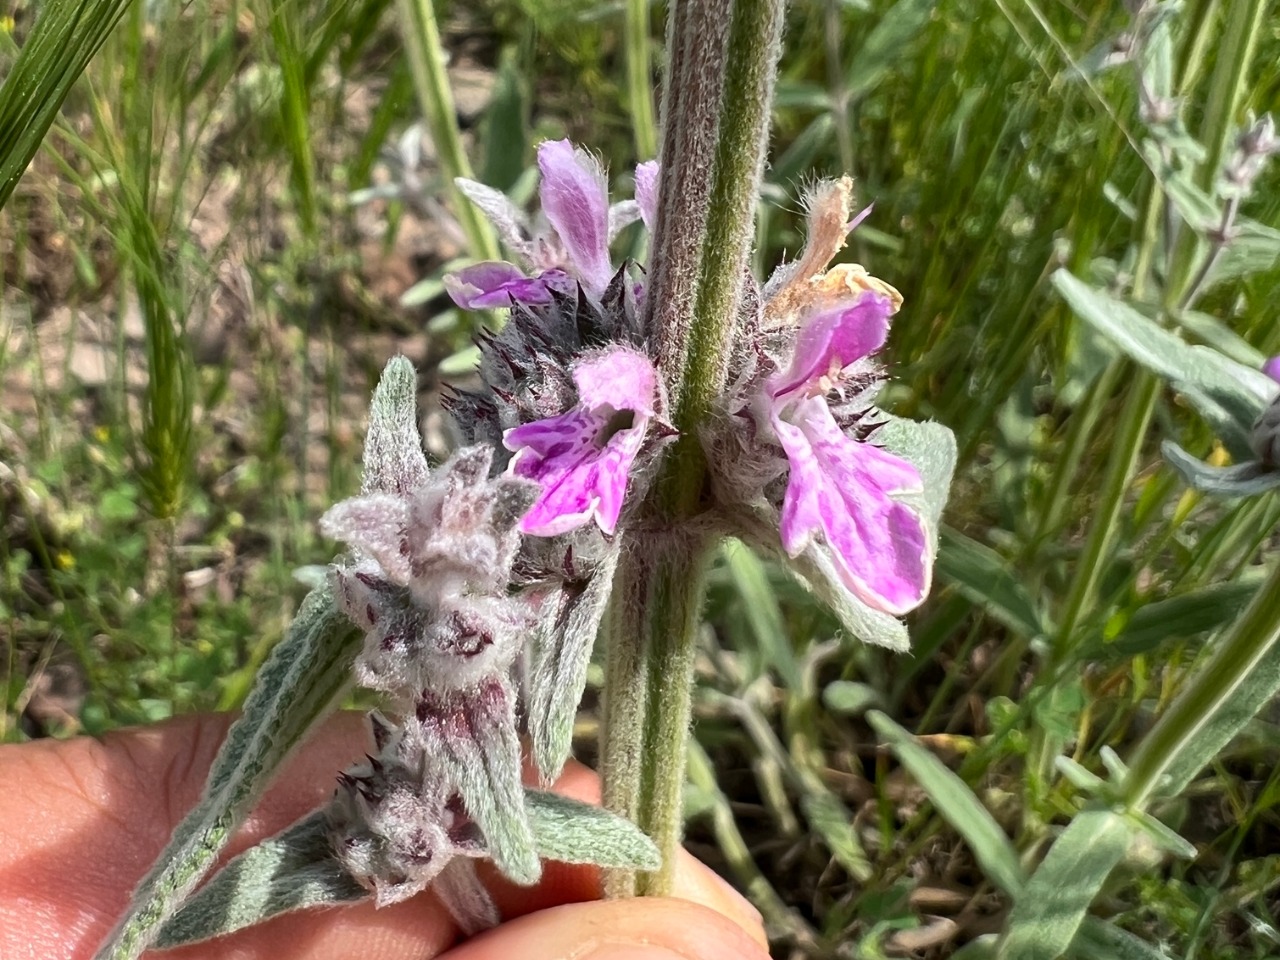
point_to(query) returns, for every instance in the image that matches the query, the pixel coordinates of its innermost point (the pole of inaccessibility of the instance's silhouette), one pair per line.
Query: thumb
(645, 928)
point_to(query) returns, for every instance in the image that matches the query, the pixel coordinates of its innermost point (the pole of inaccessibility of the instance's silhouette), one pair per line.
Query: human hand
(82, 820)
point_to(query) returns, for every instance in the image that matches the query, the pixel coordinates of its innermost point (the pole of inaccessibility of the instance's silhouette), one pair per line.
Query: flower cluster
(481, 585)
(796, 446)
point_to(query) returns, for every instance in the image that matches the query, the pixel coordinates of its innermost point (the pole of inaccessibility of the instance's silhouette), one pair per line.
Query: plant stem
(639, 84)
(1237, 656)
(697, 34)
(427, 58)
(755, 36)
(671, 628)
(623, 705)
(1227, 85)
(716, 107)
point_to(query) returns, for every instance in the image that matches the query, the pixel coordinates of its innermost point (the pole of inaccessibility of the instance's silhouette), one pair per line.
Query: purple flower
(647, 193)
(1272, 368)
(582, 458)
(494, 284)
(840, 488)
(571, 246)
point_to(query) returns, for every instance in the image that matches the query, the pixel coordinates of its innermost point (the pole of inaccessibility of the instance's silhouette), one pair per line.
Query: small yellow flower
(65, 560)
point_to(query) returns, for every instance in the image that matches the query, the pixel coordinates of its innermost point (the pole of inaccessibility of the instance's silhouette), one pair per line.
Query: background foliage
(236, 218)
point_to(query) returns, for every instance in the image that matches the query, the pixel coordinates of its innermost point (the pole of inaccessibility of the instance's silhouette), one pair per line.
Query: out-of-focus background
(241, 213)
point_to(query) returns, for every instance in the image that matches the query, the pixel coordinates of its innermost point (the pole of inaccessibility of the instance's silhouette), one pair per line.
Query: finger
(93, 815)
(641, 929)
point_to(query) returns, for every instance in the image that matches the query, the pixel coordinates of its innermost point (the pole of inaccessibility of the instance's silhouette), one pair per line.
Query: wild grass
(187, 227)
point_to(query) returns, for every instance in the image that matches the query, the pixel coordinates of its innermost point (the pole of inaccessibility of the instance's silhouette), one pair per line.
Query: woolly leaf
(574, 832)
(562, 652)
(1237, 480)
(290, 871)
(296, 869)
(393, 457)
(295, 688)
(1217, 385)
(1052, 904)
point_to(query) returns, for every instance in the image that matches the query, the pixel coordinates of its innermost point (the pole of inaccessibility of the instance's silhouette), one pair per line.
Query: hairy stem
(716, 109)
(1227, 87)
(623, 707)
(671, 635)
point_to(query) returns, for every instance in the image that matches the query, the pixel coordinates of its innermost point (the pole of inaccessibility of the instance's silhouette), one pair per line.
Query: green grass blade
(985, 578)
(1241, 677)
(63, 41)
(1098, 938)
(957, 804)
(761, 610)
(882, 49)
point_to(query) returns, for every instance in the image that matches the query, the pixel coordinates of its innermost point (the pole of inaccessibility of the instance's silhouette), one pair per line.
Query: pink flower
(571, 247)
(582, 458)
(841, 489)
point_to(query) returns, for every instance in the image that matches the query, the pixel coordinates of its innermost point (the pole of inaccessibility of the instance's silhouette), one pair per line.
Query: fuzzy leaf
(1237, 480)
(297, 686)
(296, 869)
(484, 761)
(1224, 714)
(290, 871)
(393, 457)
(1218, 386)
(931, 448)
(815, 570)
(574, 832)
(1052, 904)
(562, 654)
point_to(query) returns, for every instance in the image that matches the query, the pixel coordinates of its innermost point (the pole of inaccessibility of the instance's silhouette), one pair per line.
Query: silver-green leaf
(291, 871)
(1220, 387)
(298, 685)
(1238, 480)
(574, 832)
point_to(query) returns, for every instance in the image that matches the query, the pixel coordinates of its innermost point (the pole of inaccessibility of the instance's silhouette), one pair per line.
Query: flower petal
(495, 283)
(1272, 368)
(558, 453)
(620, 378)
(575, 200)
(834, 338)
(509, 220)
(840, 488)
(647, 192)
(581, 479)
